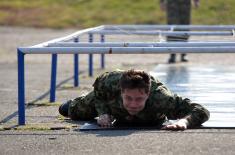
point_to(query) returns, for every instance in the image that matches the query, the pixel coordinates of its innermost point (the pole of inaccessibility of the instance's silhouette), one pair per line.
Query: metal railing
(70, 45)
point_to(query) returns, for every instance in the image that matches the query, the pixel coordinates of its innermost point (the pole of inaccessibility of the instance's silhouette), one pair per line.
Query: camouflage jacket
(160, 105)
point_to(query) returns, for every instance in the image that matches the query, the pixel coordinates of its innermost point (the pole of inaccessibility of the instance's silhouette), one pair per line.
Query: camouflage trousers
(83, 107)
(178, 13)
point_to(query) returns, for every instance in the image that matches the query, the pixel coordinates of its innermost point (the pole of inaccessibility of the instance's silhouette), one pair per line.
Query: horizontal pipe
(163, 33)
(170, 27)
(69, 37)
(140, 44)
(126, 50)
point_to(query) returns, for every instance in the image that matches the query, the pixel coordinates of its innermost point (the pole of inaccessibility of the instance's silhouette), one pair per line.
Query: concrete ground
(48, 133)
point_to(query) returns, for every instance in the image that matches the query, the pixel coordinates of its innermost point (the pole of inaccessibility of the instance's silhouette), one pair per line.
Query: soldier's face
(134, 100)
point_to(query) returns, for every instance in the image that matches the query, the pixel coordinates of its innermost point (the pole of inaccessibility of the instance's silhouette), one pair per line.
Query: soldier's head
(135, 88)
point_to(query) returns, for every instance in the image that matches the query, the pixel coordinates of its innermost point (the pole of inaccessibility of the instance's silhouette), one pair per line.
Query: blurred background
(89, 13)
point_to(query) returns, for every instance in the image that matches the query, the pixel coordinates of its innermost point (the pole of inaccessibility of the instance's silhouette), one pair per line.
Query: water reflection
(174, 77)
(213, 87)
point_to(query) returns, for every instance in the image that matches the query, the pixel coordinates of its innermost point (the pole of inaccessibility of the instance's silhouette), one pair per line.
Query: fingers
(181, 124)
(174, 127)
(104, 121)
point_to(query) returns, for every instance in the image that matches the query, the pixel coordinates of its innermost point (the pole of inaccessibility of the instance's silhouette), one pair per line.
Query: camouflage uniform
(178, 13)
(161, 104)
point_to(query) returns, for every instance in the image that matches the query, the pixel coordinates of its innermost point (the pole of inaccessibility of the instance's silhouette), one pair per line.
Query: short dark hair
(132, 79)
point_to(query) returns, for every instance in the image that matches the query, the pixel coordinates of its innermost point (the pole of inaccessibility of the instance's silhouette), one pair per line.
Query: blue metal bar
(90, 64)
(53, 77)
(76, 70)
(90, 57)
(76, 67)
(102, 39)
(21, 88)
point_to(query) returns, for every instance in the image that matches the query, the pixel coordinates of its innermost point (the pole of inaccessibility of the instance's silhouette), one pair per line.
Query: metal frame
(71, 45)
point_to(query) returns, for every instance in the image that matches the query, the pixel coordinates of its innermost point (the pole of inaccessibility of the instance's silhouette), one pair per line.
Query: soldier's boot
(64, 108)
(183, 59)
(172, 59)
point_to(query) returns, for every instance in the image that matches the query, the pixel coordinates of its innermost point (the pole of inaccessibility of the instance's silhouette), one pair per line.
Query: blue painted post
(53, 77)
(21, 88)
(76, 67)
(90, 57)
(102, 39)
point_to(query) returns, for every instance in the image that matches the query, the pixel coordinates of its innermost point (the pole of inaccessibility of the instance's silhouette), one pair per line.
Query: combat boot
(171, 59)
(183, 59)
(64, 108)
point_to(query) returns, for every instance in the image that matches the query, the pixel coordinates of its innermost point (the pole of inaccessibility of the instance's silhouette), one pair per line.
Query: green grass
(44, 103)
(88, 13)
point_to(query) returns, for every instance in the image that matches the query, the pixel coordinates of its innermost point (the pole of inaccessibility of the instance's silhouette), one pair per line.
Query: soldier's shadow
(91, 127)
(110, 133)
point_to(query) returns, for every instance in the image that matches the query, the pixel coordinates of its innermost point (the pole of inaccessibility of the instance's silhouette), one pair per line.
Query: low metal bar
(162, 33)
(76, 66)
(90, 57)
(128, 50)
(53, 77)
(102, 39)
(169, 27)
(141, 44)
(21, 88)
(69, 37)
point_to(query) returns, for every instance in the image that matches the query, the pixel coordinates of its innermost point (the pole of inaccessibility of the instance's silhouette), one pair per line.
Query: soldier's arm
(101, 107)
(197, 113)
(104, 116)
(105, 89)
(175, 107)
(179, 108)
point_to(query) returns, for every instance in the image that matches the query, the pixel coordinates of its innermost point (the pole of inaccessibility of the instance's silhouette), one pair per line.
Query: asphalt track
(63, 136)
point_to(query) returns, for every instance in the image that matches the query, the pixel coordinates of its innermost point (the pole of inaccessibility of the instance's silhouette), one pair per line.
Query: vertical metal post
(76, 66)
(53, 77)
(21, 88)
(90, 57)
(102, 39)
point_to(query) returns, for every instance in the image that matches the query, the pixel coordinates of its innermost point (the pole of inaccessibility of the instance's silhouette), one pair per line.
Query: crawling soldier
(134, 97)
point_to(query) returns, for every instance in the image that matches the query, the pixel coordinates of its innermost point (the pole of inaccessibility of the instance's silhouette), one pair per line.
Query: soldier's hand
(105, 120)
(179, 125)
